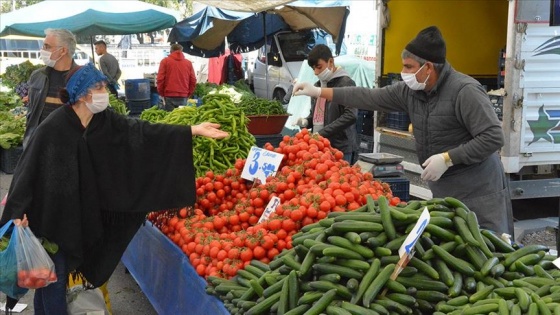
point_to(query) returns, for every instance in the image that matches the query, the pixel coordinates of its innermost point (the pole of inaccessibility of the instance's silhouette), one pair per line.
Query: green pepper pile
(153, 114)
(220, 155)
(261, 106)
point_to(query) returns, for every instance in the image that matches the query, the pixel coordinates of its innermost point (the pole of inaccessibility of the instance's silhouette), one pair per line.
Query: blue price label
(408, 245)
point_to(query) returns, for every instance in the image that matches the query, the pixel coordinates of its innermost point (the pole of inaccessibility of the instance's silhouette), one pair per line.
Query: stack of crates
(400, 186)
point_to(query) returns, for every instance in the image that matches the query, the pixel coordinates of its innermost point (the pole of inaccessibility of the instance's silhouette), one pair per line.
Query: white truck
(508, 45)
(286, 52)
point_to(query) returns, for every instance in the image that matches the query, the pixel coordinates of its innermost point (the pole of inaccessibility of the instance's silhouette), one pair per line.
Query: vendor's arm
(478, 117)
(389, 98)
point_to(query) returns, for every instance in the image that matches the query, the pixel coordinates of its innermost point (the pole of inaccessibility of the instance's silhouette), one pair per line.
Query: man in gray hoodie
(456, 130)
(330, 119)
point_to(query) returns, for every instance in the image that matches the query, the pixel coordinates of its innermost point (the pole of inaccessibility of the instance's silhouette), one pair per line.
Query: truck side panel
(474, 32)
(540, 83)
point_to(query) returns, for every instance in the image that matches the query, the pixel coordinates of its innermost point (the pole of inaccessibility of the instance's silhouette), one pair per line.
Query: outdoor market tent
(204, 33)
(89, 18)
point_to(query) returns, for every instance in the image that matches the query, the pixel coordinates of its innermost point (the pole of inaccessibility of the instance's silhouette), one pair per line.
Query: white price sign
(261, 164)
(413, 236)
(270, 208)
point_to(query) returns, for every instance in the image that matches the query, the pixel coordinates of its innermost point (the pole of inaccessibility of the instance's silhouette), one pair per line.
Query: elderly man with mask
(456, 130)
(59, 46)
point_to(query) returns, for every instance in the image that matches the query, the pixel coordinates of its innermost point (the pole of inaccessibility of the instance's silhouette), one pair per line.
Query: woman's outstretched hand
(210, 130)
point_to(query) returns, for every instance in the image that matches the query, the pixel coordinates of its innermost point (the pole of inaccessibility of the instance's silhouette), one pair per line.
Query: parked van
(286, 51)
(17, 49)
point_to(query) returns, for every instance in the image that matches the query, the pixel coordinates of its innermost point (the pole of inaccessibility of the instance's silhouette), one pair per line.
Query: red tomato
(259, 252)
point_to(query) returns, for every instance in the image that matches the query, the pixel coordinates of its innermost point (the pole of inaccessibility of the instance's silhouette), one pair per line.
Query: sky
(362, 18)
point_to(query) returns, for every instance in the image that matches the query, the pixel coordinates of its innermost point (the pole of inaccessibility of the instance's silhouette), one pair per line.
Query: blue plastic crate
(364, 122)
(136, 107)
(264, 139)
(400, 186)
(398, 120)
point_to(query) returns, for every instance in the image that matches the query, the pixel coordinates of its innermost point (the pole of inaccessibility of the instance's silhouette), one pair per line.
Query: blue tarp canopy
(204, 33)
(95, 17)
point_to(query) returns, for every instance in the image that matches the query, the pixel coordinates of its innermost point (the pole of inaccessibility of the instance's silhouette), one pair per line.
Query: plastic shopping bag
(35, 267)
(83, 301)
(8, 263)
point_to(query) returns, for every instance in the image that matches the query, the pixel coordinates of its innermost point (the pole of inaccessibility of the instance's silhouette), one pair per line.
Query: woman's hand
(23, 222)
(210, 130)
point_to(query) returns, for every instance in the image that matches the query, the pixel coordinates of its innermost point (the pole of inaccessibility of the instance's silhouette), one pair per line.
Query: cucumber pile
(343, 265)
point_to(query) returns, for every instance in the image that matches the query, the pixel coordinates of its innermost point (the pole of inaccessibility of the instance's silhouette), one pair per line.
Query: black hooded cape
(88, 190)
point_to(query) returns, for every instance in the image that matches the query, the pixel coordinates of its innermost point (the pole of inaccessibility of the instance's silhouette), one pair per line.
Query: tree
(183, 6)
(11, 5)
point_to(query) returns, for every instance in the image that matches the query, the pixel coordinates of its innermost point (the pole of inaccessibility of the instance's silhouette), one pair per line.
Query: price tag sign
(556, 263)
(261, 164)
(270, 208)
(408, 245)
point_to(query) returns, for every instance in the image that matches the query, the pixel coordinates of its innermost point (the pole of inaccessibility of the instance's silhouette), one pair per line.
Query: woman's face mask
(46, 57)
(99, 102)
(412, 82)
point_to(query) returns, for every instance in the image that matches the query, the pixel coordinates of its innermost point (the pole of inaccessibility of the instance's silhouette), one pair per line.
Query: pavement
(128, 299)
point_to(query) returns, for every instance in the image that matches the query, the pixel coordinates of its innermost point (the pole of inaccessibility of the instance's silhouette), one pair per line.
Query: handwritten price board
(261, 164)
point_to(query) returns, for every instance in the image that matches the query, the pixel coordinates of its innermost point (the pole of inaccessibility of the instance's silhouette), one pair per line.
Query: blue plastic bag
(8, 264)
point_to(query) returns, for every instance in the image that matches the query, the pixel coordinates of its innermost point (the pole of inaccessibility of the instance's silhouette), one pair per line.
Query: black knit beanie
(429, 45)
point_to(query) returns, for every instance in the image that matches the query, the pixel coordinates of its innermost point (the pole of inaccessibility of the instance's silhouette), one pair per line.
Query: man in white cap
(456, 130)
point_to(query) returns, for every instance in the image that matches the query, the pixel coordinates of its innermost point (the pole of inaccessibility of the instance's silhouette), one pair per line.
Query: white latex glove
(434, 167)
(300, 122)
(306, 88)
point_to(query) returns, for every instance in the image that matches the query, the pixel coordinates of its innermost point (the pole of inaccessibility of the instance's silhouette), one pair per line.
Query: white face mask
(99, 102)
(46, 58)
(410, 80)
(325, 75)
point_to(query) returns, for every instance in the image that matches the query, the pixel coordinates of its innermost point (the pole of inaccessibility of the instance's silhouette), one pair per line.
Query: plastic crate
(366, 144)
(9, 159)
(398, 120)
(498, 104)
(273, 139)
(136, 107)
(364, 122)
(400, 186)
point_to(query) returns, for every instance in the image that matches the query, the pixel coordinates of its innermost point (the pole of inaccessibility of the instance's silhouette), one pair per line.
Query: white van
(17, 49)
(286, 52)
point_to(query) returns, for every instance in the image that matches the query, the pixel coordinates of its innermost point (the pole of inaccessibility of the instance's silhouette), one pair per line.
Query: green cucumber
(321, 304)
(454, 262)
(356, 226)
(377, 284)
(366, 280)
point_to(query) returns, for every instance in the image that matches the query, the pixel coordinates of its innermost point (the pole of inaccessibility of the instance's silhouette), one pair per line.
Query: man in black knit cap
(456, 130)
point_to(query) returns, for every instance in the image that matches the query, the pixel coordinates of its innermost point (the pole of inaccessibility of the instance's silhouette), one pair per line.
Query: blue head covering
(82, 80)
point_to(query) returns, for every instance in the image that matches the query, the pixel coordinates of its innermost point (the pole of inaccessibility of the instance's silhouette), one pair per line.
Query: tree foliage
(185, 7)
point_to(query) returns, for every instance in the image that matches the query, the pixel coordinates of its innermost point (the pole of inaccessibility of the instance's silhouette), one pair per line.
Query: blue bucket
(137, 89)
(154, 98)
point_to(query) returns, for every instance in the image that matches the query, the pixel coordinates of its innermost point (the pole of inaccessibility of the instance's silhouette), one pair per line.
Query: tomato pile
(224, 235)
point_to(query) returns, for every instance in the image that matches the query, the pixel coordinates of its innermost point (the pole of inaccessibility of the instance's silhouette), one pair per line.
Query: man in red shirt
(176, 79)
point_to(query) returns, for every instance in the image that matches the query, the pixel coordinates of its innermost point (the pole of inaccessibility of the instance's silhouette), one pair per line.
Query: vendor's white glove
(434, 167)
(301, 122)
(306, 88)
